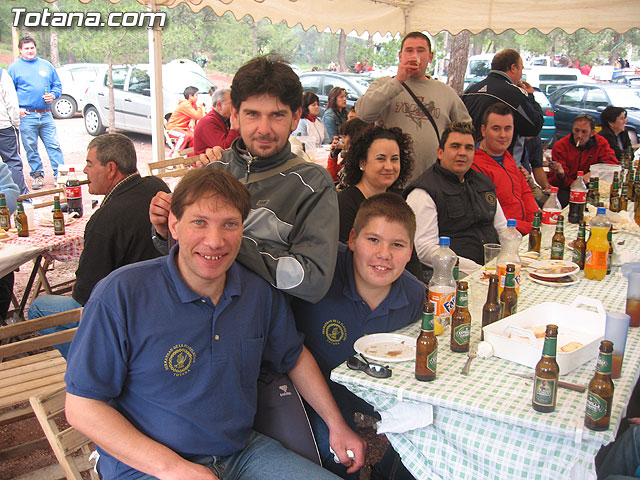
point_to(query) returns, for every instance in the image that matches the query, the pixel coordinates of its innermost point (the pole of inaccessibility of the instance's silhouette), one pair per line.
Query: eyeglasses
(371, 369)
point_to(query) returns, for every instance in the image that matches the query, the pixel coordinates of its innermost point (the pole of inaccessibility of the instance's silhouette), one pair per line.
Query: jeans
(622, 460)
(48, 305)
(41, 125)
(9, 153)
(262, 458)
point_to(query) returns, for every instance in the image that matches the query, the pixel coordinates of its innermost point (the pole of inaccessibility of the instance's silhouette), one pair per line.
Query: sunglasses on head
(371, 369)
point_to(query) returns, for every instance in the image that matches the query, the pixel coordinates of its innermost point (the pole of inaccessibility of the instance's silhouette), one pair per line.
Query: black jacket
(465, 209)
(612, 138)
(498, 87)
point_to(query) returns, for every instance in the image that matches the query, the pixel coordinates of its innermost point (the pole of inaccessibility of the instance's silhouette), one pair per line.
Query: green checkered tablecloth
(484, 426)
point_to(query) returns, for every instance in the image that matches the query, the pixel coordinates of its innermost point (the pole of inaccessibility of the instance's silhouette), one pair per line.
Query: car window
(595, 98)
(634, 82)
(572, 98)
(311, 83)
(140, 82)
(84, 74)
(620, 80)
(331, 82)
(119, 75)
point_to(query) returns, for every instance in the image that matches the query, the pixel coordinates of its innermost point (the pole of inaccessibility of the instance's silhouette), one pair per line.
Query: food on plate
(570, 347)
(3, 234)
(565, 279)
(389, 349)
(555, 267)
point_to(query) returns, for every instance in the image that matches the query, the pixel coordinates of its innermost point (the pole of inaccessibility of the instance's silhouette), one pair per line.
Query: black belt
(38, 111)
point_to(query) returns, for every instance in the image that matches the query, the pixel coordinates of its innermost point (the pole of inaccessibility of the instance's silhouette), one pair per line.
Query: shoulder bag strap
(424, 109)
(256, 177)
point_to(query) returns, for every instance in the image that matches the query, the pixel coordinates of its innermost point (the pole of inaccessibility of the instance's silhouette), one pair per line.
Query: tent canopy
(433, 16)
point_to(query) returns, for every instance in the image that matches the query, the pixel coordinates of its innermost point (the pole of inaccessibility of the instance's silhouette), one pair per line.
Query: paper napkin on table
(405, 416)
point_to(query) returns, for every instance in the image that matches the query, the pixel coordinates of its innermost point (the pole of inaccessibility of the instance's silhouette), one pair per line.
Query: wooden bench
(164, 168)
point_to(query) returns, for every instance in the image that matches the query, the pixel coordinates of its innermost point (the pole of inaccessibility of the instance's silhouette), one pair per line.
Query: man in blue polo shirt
(163, 371)
(371, 292)
(38, 85)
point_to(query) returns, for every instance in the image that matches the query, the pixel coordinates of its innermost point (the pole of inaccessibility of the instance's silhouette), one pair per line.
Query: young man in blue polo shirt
(371, 293)
(163, 371)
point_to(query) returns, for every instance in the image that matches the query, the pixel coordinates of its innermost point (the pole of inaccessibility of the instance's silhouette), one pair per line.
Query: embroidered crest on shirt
(334, 331)
(490, 197)
(179, 359)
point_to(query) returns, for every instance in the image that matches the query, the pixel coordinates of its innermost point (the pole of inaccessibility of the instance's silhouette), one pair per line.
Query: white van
(548, 79)
(478, 67)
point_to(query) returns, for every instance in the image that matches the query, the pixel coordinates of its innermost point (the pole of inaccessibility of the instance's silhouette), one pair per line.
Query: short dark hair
(585, 117)
(354, 128)
(465, 128)
(389, 206)
(611, 114)
(189, 91)
(334, 93)
(498, 108)
(503, 60)
(116, 148)
(201, 183)
(26, 39)
(360, 148)
(266, 75)
(416, 35)
(308, 98)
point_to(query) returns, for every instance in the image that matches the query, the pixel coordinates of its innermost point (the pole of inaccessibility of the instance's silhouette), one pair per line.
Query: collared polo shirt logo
(334, 331)
(490, 197)
(262, 203)
(284, 391)
(179, 359)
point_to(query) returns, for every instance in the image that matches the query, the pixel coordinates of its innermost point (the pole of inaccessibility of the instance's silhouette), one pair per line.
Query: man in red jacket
(216, 129)
(577, 152)
(494, 160)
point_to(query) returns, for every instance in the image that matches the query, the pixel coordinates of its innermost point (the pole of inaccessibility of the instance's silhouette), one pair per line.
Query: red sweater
(513, 191)
(573, 159)
(212, 131)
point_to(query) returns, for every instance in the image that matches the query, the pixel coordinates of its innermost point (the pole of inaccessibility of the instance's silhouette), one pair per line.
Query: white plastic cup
(615, 331)
(30, 212)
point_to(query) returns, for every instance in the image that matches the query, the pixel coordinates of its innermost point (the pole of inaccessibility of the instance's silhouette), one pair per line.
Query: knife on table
(569, 386)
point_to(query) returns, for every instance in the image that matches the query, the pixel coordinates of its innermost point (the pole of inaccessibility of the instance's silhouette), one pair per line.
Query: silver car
(132, 96)
(76, 79)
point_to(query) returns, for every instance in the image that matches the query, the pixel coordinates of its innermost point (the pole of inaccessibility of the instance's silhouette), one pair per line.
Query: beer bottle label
(577, 197)
(557, 249)
(596, 406)
(58, 225)
(462, 333)
(549, 348)
(536, 221)
(614, 204)
(596, 259)
(427, 322)
(4, 222)
(432, 361)
(462, 299)
(456, 272)
(513, 307)
(18, 224)
(544, 392)
(603, 365)
(577, 256)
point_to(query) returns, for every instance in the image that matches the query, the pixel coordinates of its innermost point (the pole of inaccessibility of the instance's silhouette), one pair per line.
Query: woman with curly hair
(336, 112)
(309, 125)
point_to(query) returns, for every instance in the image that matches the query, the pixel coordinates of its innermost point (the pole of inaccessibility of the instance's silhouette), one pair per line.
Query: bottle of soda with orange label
(442, 286)
(595, 263)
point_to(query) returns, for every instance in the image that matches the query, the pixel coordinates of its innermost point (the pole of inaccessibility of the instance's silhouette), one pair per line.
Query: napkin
(405, 416)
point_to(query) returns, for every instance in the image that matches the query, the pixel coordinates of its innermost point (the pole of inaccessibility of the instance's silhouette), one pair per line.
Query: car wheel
(92, 122)
(633, 136)
(64, 107)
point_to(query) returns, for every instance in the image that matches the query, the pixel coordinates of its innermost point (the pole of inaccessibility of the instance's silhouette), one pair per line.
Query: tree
(341, 48)
(458, 64)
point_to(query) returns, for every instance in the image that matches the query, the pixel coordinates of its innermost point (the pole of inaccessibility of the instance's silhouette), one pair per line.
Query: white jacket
(9, 109)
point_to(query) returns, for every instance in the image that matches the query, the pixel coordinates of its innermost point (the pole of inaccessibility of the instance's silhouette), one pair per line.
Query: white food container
(574, 325)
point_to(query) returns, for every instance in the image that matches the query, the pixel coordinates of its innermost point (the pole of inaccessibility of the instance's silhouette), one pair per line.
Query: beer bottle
(545, 383)
(491, 309)
(591, 194)
(426, 347)
(557, 241)
(535, 236)
(636, 184)
(600, 394)
(614, 196)
(5, 214)
(610, 254)
(456, 270)
(596, 191)
(630, 184)
(624, 197)
(636, 208)
(580, 246)
(461, 320)
(509, 297)
(58, 218)
(21, 221)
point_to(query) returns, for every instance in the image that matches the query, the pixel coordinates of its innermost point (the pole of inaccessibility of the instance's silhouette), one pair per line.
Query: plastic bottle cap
(446, 241)
(602, 210)
(580, 173)
(554, 190)
(512, 222)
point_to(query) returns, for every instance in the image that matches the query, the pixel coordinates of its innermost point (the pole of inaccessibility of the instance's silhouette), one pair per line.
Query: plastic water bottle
(550, 211)
(510, 240)
(73, 191)
(442, 286)
(577, 199)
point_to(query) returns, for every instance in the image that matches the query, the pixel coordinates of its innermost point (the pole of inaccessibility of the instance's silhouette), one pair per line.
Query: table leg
(27, 289)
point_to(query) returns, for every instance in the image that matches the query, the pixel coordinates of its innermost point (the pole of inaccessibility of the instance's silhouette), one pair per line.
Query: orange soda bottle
(595, 264)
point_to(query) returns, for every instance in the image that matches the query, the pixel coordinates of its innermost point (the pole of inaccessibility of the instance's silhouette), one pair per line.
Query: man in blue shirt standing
(38, 85)
(163, 371)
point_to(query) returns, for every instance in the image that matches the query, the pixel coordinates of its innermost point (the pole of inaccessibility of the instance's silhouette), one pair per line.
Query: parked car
(321, 83)
(75, 78)
(549, 126)
(630, 80)
(132, 96)
(548, 79)
(570, 101)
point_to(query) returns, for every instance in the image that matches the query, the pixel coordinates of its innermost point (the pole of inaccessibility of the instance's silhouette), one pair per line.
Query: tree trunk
(341, 48)
(255, 38)
(53, 44)
(112, 102)
(613, 56)
(458, 64)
